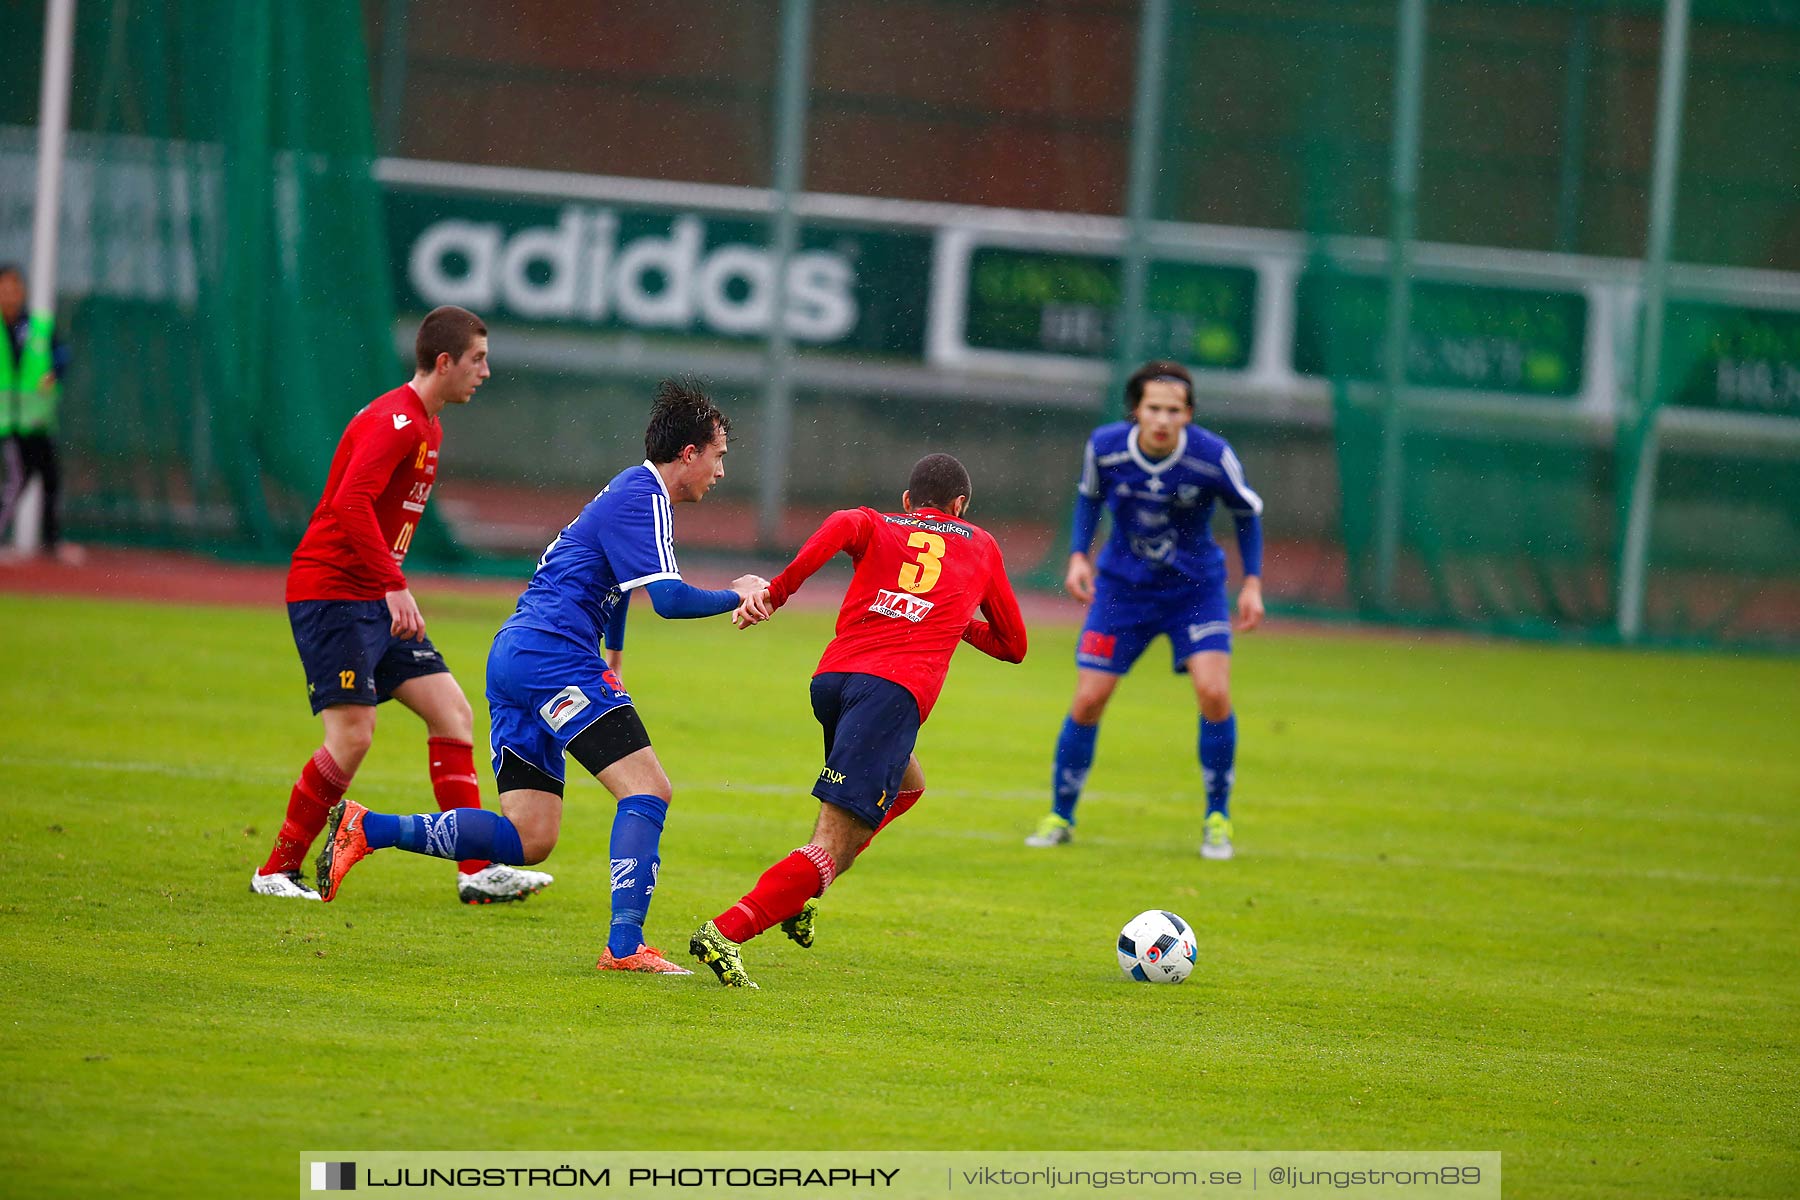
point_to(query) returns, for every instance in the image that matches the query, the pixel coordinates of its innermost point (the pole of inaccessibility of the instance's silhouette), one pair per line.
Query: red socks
(454, 784)
(781, 893)
(321, 784)
(785, 887)
(902, 802)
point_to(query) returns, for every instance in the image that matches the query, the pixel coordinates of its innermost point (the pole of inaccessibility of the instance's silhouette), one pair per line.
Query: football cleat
(345, 846)
(1216, 842)
(498, 883)
(647, 959)
(720, 953)
(285, 884)
(799, 927)
(1052, 831)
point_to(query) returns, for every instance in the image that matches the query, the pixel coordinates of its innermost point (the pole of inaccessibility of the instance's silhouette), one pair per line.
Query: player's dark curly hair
(937, 480)
(1157, 368)
(682, 416)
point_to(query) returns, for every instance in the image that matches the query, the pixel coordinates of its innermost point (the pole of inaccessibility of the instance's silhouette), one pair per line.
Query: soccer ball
(1157, 947)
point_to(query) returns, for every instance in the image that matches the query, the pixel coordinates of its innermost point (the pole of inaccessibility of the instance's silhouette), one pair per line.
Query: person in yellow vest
(31, 373)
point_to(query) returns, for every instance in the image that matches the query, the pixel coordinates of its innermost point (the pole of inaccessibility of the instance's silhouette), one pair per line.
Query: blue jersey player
(551, 692)
(1160, 572)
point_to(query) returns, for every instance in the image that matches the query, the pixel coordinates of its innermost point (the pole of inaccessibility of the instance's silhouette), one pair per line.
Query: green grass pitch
(1489, 897)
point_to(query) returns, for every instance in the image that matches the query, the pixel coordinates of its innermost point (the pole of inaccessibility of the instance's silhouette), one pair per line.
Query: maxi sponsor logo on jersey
(583, 268)
(899, 604)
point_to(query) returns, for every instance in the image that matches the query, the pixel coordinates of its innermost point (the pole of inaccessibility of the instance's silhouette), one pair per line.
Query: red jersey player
(920, 576)
(359, 631)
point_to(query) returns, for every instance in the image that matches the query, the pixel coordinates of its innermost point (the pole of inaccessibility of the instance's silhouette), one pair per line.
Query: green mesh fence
(240, 266)
(222, 240)
(1491, 479)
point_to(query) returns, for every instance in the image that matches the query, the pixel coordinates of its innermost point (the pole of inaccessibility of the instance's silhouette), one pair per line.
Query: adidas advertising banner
(963, 297)
(909, 1175)
(1000, 293)
(683, 274)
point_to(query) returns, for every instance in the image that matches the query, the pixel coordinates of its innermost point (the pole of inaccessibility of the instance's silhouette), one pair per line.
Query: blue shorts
(1123, 620)
(542, 691)
(350, 654)
(871, 725)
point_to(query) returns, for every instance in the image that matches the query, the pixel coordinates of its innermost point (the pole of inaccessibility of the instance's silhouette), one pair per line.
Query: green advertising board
(609, 267)
(1732, 358)
(1043, 302)
(1463, 336)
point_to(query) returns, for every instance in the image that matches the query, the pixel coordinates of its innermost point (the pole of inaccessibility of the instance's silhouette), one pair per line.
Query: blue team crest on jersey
(1156, 548)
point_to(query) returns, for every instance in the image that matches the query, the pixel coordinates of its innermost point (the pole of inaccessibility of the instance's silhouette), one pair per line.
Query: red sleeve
(1002, 635)
(847, 529)
(373, 460)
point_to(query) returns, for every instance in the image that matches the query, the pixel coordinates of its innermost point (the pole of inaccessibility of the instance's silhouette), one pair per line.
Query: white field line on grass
(1547, 870)
(397, 779)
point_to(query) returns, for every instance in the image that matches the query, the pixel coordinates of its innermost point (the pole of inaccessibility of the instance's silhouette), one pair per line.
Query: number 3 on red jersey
(921, 575)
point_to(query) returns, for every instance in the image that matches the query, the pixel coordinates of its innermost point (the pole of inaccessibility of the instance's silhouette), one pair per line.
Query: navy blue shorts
(1124, 620)
(871, 726)
(350, 654)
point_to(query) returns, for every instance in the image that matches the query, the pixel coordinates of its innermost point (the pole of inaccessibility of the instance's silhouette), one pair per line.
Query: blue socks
(636, 834)
(1074, 755)
(1218, 751)
(457, 834)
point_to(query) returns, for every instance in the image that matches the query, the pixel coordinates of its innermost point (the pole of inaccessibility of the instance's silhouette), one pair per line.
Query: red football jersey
(920, 576)
(381, 477)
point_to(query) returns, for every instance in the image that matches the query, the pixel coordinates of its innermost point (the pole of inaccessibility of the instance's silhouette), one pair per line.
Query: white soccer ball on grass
(1157, 947)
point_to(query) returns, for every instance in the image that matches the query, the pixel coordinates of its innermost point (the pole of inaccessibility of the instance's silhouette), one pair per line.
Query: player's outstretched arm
(675, 600)
(847, 529)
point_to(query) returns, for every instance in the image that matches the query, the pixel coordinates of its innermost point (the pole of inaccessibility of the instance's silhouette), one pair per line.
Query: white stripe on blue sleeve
(665, 534)
(1234, 471)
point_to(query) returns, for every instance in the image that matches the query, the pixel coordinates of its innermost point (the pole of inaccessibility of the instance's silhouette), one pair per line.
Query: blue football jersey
(1162, 510)
(623, 539)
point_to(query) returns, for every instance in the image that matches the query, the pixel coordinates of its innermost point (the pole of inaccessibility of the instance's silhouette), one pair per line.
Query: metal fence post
(789, 172)
(1403, 189)
(1140, 198)
(1637, 425)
